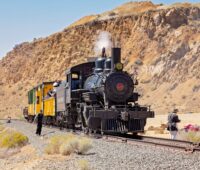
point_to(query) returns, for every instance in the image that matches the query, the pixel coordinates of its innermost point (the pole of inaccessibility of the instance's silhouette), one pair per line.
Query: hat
(55, 84)
(175, 110)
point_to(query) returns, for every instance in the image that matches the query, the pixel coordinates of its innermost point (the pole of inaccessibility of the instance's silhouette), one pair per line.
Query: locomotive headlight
(119, 66)
(120, 86)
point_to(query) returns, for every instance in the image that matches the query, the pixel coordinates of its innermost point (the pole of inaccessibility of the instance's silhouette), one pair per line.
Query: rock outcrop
(160, 43)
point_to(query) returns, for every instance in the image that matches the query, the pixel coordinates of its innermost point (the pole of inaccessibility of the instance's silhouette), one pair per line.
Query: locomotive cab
(75, 78)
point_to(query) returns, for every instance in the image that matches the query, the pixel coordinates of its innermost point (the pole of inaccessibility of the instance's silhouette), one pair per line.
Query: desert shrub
(158, 130)
(83, 164)
(196, 88)
(138, 62)
(11, 138)
(190, 133)
(173, 87)
(13, 93)
(67, 144)
(54, 144)
(145, 81)
(151, 128)
(70, 146)
(191, 136)
(84, 145)
(20, 88)
(112, 14)
(153, 88)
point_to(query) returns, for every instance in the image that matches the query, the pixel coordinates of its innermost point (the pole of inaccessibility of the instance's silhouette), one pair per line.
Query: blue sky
(23, 20)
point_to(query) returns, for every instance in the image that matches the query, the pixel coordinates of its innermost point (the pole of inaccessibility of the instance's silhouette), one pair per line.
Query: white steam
(103, 40)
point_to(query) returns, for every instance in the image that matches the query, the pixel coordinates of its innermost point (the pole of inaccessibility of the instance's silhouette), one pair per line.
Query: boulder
(175, 18)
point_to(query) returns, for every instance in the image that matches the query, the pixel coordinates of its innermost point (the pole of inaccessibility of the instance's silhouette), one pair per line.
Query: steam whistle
(103, 55)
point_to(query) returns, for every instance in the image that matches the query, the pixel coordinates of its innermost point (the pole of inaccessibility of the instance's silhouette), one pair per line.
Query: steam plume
(103, 40)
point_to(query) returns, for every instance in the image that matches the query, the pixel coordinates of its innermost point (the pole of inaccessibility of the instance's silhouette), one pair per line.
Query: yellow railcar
(36, 98)
(38, 104)
(41, 92)
(31, 104)
(49, 107)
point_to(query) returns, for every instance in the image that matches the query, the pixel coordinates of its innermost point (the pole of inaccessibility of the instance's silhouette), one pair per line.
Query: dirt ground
(189, 118)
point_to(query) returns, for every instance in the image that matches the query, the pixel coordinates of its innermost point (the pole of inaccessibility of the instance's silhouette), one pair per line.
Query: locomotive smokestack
(116, 57)
(103, 55)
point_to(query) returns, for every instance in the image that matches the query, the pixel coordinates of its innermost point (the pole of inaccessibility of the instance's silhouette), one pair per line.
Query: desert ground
(104, 155)
(159, 47)
(187, 118)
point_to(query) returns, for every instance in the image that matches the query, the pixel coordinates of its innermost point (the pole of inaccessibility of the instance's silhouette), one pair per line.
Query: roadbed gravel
(105, 155)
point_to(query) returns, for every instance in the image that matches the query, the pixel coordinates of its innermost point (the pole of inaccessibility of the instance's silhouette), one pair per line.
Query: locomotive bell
(116, 59)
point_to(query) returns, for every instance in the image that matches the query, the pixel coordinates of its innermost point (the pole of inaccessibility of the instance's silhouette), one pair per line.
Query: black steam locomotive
(99, 96)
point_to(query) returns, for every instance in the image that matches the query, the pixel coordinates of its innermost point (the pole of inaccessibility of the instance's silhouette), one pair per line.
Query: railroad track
(176, 144)
(128, 138)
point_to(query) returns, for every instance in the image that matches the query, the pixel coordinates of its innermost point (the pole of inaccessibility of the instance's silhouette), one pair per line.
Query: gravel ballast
(106, 155)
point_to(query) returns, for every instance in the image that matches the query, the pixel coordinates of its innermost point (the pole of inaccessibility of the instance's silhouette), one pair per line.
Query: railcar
(37, 101)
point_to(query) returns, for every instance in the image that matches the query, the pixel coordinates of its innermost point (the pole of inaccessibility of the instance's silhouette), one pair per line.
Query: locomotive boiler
(110, 82)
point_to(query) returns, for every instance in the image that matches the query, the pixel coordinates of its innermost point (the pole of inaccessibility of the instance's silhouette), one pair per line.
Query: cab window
(75, 81)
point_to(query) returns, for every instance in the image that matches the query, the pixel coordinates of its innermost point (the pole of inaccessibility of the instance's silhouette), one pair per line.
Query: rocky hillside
(160, 44)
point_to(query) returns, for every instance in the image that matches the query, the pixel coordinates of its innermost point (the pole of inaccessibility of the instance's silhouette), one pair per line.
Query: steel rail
(128, 138)
(176, 144)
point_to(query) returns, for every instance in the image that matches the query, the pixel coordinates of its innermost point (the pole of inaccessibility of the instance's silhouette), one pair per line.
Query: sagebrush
(191, 136)
(83, 164)
(67, 144)
(10, 138)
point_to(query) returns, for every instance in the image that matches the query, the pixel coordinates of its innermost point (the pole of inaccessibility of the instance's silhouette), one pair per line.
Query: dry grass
(84, 20)
(11, 139)
(67, 144)
(158, 130)
(83, 164)
(191, 136)
(135, 7)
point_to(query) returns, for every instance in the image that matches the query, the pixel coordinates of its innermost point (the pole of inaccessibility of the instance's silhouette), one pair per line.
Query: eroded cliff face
(161, 46)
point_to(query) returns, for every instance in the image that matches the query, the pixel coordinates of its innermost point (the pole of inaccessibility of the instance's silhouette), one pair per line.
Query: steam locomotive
(96, 96)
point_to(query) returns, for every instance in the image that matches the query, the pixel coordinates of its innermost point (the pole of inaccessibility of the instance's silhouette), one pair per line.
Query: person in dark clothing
(39, 123)
(60, 121)
(9, 119)
(172, 123)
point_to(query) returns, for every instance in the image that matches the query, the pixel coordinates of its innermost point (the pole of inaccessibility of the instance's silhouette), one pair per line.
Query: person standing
(172, 123)
(9, 119)
(60, 121)
(39, 123)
